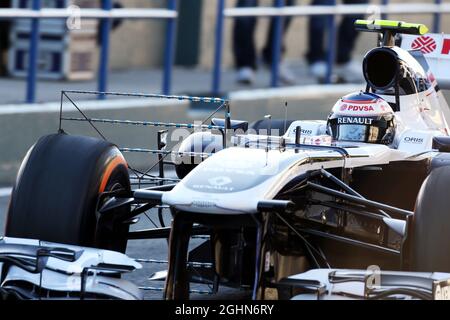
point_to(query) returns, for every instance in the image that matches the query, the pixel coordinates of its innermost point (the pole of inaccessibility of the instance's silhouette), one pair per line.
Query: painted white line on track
(87, 105)
(5, 192)
(315, 91)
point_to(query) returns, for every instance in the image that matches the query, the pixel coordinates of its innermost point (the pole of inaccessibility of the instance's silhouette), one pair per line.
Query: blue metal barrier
(105, 29)
(218, 48)
(169, 50)
(437, 19)
(33, 54)
(331, 46)
(105, 18)
(276, 45)
(384, 16)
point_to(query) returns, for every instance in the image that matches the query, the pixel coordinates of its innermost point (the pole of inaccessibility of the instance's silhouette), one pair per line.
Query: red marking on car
(426, 44)
(343, 107)
(360, 101)
(446, 46)
(431, 77)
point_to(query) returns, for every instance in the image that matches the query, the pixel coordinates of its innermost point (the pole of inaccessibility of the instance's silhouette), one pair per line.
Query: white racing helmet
(362, 117)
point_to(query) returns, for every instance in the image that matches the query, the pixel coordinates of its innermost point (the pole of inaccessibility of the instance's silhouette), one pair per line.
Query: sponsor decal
(207, 188)
(354, 120)
(426, 44)
(219, 181)
(203, 204)
(446, 46)
(317, 140)
(360, 108)
(307, 132)
(366, 108)
(413, 140)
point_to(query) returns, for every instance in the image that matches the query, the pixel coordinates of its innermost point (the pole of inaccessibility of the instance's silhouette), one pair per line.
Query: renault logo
(219, 181)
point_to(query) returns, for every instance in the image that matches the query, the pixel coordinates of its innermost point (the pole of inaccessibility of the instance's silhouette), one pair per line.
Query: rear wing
(390, 26)
(435, 47)
(389, 29)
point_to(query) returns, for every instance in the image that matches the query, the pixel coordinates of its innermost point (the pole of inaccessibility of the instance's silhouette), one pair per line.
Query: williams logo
(350, 120)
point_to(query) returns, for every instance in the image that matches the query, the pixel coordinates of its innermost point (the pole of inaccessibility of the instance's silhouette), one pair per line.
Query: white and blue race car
(355, 206)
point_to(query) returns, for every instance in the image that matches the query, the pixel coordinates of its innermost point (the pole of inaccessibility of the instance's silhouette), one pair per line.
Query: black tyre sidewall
(56, 193)
(430, 239)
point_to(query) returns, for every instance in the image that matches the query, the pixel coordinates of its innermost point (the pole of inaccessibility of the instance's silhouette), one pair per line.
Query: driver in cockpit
(362, 117)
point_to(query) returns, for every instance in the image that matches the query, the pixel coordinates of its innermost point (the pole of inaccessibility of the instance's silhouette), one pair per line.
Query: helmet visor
(357, 132)
(371, 132)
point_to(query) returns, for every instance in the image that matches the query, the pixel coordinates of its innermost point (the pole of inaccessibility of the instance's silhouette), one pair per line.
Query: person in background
(4, 40)
(116, 23)
(244, 51)
(346, 69)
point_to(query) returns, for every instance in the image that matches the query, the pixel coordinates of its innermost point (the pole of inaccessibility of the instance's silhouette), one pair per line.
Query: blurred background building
(138, 43)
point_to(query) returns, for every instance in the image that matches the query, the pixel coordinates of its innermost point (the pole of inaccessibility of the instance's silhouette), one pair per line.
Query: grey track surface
(185, 81)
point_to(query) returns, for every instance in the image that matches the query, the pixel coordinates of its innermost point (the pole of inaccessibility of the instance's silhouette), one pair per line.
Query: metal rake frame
(144, 177)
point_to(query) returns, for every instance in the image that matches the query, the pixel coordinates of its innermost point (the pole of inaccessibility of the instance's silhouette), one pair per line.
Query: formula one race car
(301, 211)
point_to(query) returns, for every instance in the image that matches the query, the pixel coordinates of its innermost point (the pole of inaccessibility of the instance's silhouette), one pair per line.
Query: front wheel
(430, 236)
(58, 188)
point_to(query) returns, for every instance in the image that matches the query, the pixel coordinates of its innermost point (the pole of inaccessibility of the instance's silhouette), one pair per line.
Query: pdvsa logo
(368, 108)
(361, 108)
(426, 44)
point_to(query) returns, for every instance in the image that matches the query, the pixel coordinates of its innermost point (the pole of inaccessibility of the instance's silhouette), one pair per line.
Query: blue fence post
(169, 50)
(33, 55)
(384, 16)
(437, 19)
(331, 45)
(217, 68)
(276, 45)
(105, 28)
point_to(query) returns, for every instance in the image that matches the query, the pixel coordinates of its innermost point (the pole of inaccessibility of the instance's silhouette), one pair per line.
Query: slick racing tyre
(277, 126)
(430, 245)
(57, 191)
